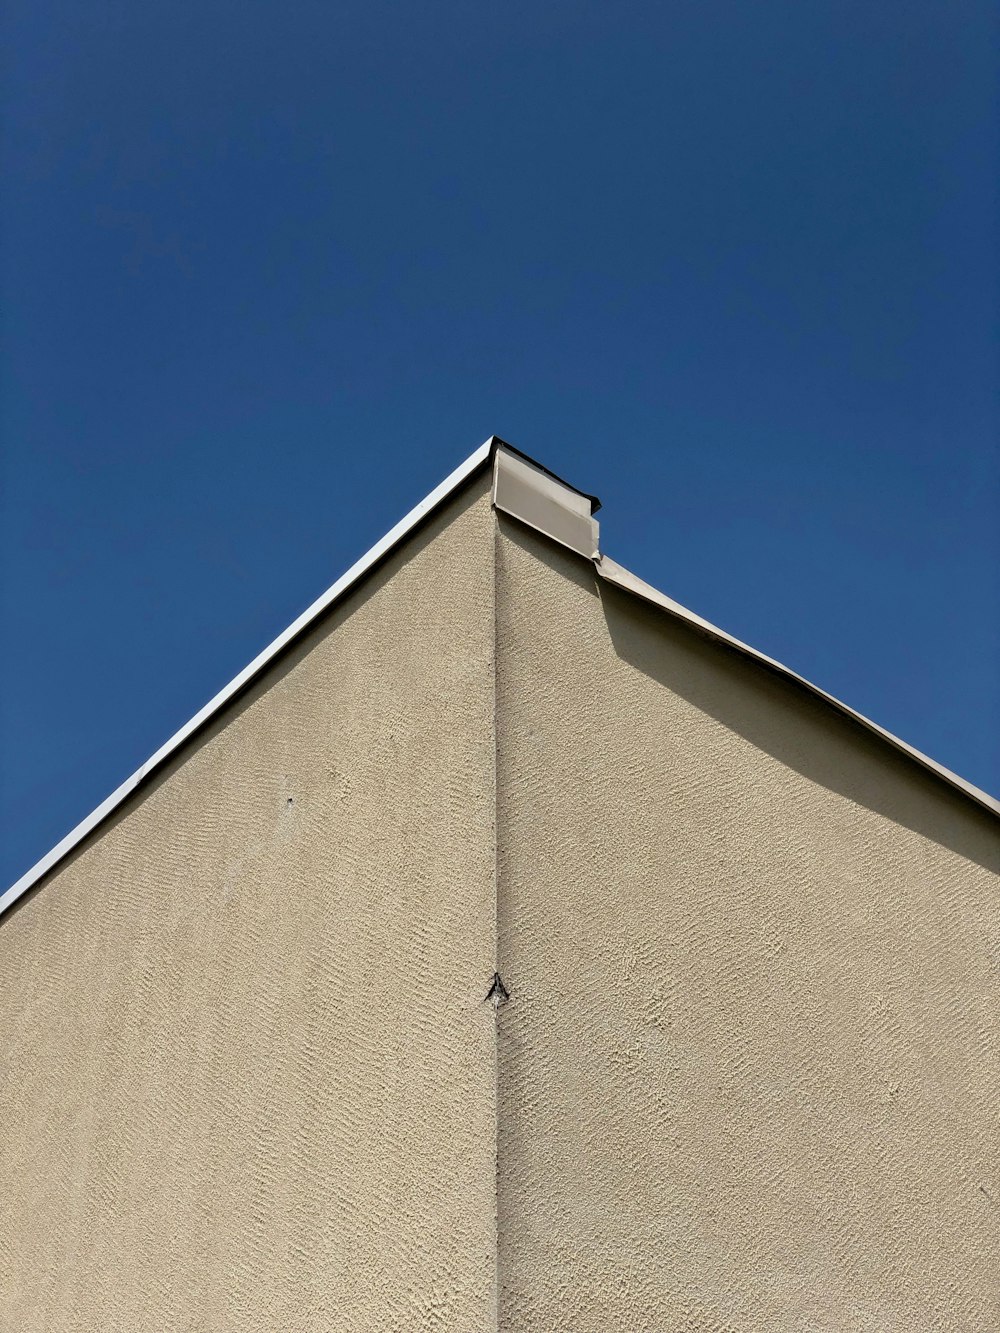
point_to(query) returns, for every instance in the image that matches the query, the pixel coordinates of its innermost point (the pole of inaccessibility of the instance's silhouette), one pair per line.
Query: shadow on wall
(787, 722)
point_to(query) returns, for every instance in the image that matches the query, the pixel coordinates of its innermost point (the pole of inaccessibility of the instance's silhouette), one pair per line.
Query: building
(507, 948)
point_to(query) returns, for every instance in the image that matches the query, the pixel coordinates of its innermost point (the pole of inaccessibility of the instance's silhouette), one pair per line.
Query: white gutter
(323, 603)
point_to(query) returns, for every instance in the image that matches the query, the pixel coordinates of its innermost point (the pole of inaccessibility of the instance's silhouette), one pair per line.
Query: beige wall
(247, 1076)
(746, 1078)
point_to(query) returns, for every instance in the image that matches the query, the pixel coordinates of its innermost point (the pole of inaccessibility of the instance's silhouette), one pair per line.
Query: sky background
(270, 271)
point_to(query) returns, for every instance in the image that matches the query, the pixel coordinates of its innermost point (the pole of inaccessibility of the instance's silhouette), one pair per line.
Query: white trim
(344, 584)
(623, 578)
(550, 506)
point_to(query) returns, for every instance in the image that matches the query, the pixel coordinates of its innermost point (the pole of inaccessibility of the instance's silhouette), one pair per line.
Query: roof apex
(531, 493)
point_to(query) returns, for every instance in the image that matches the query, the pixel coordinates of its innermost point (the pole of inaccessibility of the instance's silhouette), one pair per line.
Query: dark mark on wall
(497, 992)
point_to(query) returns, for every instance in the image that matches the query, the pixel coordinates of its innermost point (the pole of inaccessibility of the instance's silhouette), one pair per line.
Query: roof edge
(499, 444)
(538, 498)
(347, 581)
(551, 522)
(612, 572)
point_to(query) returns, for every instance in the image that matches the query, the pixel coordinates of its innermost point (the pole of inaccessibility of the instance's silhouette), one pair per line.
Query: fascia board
(542, 501)
(333, 594)
(616, 574)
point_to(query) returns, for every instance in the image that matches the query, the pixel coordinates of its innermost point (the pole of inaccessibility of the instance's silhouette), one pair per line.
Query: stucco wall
(746, 1075)
(745, 1079)
(247, 1076)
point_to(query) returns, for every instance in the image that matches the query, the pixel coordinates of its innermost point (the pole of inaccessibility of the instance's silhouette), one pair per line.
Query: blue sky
(271, 271)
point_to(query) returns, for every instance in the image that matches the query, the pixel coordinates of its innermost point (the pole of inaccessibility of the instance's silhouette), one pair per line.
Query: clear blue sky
(272, 270)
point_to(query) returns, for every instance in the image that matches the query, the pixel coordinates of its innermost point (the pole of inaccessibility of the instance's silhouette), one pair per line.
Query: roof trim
(547, 519)
(612, 572)
(595, 503)
(537, 497)
(541, 500)
(333, 594)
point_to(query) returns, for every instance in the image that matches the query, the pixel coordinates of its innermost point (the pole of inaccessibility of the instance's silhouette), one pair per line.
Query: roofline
(605, 567)
(616, 574)
(417, 515)
(537, 498)
(595, 503)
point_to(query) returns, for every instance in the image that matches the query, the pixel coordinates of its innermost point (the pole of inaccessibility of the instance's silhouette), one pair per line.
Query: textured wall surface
(746, 1074)
(745, 1079)
(247, 1073)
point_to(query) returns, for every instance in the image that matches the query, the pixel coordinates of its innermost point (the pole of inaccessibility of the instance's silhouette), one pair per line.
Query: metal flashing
(595, 503)
(535, 496)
